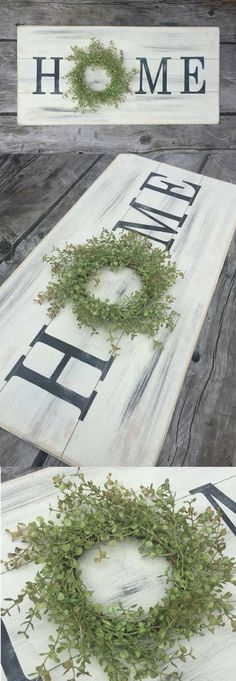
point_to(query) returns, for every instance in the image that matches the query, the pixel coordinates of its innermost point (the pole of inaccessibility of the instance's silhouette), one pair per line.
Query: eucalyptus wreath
(127, 642)
(144, 311)
(97, 56)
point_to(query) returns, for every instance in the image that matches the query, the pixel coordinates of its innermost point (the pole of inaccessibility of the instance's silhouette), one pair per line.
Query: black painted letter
(10, 662)
(152, 84)
(169, 188)
(55, 74)
(192, 74)
(211, 492)
(51, 384)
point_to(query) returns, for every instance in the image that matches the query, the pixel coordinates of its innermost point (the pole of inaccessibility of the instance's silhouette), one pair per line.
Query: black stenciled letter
(165, 222)
(152, 84)
(161, 225)
(212, 493)
(10, 662)
(51, 384)
(55, 75)
(193, 74)
(169, 188)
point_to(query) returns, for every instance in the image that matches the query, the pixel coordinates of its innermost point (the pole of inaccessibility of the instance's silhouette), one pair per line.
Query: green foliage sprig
(144, 311)
(123, 640)
(97, 56)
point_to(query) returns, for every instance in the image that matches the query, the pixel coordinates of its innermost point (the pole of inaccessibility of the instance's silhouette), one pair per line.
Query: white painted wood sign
(125, 576)
(59, 386)
(176, 80)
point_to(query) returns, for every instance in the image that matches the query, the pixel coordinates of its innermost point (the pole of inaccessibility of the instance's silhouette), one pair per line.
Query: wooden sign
(59, 386)
(124, 577)
(176, 79)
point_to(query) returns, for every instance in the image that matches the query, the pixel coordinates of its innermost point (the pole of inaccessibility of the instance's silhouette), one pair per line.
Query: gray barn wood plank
(203, 428)
(122, 12)
(15, 454)
(30, 186)
(8, 77)
(40, 227)
(116, 139)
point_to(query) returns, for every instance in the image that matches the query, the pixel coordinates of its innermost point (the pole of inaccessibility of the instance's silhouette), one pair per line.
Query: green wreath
(144, 311)
(124, 640)
(97, 56)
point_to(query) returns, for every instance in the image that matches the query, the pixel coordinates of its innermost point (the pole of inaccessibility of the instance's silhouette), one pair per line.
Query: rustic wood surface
(138, 408)
(125, 576)
(203, 428)
(137, 138)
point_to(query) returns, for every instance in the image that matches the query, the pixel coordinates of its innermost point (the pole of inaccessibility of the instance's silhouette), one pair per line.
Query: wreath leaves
(98, 57)
(130, 640)
(144, 311)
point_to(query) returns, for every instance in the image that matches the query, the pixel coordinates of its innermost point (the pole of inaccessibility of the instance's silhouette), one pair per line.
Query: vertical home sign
(60, 388)
(176, 75)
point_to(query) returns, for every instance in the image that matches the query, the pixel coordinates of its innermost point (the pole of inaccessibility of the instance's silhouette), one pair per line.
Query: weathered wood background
(37, 190)
(124, 577)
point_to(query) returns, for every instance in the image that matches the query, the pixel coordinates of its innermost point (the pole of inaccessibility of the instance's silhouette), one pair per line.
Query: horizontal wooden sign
(123, 577)
(176, 76)
(59, 386)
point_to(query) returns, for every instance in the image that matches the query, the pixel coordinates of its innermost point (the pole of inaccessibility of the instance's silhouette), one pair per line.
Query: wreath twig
(144, 311)
(130, 640)
(97, 56)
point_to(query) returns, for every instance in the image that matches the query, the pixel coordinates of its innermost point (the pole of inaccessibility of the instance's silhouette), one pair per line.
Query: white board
(185, 91)
(119, 411)
(25, 498)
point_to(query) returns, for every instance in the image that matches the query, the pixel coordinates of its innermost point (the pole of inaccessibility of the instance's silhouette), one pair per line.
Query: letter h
(51, 384)
(55, 75)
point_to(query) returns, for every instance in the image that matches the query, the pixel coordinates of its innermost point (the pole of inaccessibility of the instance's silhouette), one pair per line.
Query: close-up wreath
(128, 643)
(97, 56)
(144, 311)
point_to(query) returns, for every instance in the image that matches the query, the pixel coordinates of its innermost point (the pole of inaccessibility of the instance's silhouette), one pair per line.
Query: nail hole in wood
(196, 356)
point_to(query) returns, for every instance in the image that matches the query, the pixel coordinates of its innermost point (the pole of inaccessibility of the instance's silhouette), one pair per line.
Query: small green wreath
(97, 56)
(144, 311)
(125, 641)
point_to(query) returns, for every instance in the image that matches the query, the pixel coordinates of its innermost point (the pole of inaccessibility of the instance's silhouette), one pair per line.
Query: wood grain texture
(166, 104)
(215, 656)
(34, 222)
(121, 12)
(116, 139)
(203, 427)
(152, 380)
(37, 184)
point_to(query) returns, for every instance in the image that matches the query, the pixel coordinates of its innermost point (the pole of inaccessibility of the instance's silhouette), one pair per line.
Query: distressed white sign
(125, 576)
(59, 386)
(176, 80)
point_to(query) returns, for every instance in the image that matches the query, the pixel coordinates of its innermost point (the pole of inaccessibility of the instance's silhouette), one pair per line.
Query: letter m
(152, 83)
